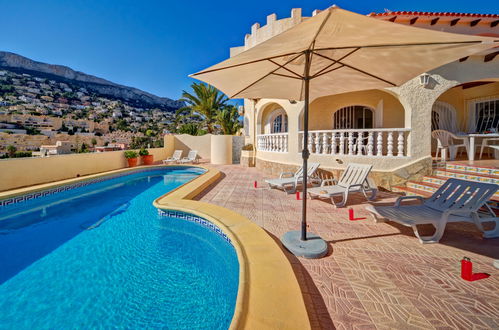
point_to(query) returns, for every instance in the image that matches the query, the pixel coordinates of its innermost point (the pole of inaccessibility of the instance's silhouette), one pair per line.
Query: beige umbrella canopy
(334, 52)
(348, 52)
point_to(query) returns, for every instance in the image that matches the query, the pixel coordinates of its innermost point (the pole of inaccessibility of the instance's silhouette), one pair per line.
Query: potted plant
(248, 155)
(131, 157)
(145, 157)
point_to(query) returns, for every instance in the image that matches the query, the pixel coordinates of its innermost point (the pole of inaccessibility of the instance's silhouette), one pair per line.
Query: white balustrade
(273, 142)
(377, 142)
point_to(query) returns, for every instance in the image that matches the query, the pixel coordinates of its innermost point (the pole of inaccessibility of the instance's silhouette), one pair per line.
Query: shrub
(20, 154)
(143, 152)
(130, 154)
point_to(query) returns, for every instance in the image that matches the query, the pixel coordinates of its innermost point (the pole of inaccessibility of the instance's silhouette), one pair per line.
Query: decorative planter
(147, 159)
(132, 162)
(248, 158)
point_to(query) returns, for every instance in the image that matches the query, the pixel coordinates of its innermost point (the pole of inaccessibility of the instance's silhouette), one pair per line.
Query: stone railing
(273, 142)
(377, 142)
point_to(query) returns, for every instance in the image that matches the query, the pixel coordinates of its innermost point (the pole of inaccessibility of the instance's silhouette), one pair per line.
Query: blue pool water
(100, 256)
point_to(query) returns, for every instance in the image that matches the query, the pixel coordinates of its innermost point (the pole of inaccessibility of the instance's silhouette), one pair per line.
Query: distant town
(42, 117)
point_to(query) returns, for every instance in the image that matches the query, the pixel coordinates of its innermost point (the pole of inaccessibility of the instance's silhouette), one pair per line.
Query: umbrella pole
(305, 152)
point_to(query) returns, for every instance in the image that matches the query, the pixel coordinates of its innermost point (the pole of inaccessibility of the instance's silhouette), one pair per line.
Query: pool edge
(269, 295)
(272, 298)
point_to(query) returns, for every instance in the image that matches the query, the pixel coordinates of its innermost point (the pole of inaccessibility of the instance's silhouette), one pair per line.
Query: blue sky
(153, 45)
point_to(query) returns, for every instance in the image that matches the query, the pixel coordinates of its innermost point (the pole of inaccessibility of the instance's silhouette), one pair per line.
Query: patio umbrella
(333, 52)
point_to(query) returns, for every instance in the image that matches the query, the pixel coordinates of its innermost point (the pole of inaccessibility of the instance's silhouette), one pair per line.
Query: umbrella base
(313, 248)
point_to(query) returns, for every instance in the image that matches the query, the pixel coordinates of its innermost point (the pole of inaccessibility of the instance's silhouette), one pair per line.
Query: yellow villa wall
(322, 109)
(186, 142)
(459, 97)
(22, 172)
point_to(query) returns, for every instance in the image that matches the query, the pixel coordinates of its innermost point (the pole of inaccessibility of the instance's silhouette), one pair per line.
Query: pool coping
(269, 295)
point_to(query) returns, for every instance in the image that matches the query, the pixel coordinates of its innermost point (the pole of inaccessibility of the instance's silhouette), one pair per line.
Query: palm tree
(228, 119)
(205, 102)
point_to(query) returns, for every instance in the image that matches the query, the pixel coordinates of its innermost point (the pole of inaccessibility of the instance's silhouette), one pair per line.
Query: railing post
(379, 140)
(317, 143)
(390, 144)
(400, 146)
(309, 142)
(286, 142)
(342, 143)
(350, 143)
(359, 143)
(333, 144)
(370, 144)
(325, 142)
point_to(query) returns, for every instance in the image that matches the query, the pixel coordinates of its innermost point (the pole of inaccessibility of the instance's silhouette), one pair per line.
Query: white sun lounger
(455, 201)
(288, 181)
(353, 179)
(191, 157)
(177, 154)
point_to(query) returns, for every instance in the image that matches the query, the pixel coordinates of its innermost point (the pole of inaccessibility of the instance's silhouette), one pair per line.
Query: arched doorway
(353, 117)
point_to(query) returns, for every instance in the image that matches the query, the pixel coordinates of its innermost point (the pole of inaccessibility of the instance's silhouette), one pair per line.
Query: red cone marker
(351, 216)
(297, 195)
(255, 185)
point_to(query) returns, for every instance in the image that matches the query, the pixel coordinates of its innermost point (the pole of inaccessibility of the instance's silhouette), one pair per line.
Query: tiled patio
(375, 275)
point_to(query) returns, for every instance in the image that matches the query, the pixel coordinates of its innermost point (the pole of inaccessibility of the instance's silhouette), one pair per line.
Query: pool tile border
(85, 182)
(196, 219)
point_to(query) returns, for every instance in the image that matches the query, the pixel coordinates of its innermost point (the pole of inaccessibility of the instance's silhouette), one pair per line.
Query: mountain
(134, 96)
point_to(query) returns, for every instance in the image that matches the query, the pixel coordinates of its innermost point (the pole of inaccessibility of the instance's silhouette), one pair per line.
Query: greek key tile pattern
(48, 192)
(196, 219)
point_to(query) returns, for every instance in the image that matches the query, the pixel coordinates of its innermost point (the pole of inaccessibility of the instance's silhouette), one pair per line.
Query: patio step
(481, 170)
(431, 183)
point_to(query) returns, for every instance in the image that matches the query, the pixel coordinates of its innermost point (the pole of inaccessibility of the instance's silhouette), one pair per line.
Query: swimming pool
(100, 255)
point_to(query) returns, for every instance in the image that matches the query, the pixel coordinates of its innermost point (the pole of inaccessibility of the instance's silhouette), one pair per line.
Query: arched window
(354, 116)
(443, 116)
(278, 122)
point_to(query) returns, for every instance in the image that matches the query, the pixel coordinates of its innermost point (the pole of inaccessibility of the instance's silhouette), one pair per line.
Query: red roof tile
(422, 13)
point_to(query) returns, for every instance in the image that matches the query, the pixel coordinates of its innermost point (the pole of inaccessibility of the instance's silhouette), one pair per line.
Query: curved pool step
(119, 210)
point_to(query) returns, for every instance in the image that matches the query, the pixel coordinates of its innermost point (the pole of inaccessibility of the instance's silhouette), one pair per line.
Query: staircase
(431, 183)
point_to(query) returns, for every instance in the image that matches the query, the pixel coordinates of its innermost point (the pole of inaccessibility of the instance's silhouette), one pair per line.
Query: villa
(196, 240)
(396, 123)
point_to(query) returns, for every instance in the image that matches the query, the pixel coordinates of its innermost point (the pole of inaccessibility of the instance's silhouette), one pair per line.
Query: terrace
(375, 275)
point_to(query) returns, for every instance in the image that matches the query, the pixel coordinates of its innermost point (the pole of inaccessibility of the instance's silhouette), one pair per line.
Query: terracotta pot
(132, 161)
(147, 159)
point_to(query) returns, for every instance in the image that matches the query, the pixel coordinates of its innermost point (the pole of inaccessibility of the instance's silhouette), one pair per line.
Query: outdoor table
(472, 137)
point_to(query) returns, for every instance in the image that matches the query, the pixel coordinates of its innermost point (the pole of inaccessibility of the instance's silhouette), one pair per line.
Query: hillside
(132, 96)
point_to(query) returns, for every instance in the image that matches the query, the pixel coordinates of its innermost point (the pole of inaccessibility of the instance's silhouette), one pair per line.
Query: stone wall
(237, 145)
(384, 179)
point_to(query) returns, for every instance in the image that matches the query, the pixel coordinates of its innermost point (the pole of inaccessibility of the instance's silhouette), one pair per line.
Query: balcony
(378, 142)
(277, 142)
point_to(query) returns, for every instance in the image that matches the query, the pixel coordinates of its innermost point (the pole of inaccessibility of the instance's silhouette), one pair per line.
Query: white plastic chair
(353, 179)
(455, 201)
(177, 154)
(289, 181)
(446, 144)
(191, 157)
(486, 143)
